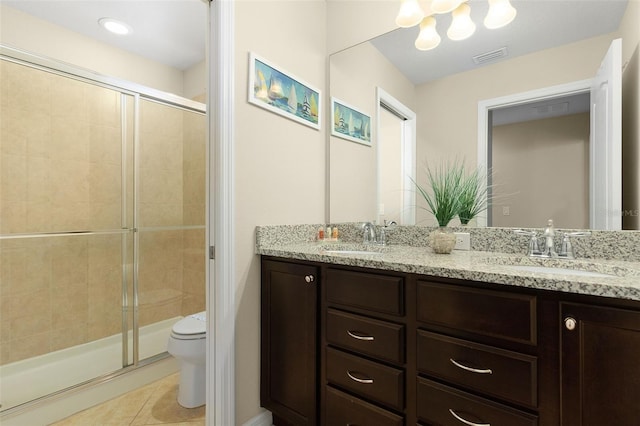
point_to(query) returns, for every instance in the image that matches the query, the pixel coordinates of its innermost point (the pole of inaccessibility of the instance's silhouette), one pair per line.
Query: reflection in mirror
(548, 44)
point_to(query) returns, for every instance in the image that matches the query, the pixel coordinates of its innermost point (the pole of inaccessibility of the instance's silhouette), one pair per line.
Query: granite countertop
(620, 279)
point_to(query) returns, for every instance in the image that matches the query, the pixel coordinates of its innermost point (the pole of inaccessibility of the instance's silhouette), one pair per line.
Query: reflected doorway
(396, 140)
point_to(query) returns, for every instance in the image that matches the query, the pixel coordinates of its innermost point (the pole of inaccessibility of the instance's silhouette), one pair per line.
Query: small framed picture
(350, 123)
(281, 92)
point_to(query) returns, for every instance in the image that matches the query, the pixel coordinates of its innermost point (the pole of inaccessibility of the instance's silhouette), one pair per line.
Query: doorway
(396, 160)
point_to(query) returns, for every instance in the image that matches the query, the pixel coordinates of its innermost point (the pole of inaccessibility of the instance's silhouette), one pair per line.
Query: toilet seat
(192, 327)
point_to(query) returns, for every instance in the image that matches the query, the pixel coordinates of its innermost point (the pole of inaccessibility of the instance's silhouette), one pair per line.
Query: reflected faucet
(369, 233)
(548, 249)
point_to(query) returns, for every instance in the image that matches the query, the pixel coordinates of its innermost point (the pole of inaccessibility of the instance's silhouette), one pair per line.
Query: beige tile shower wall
(194, 184)
(61, 153)
(58, 292)
(160, 200)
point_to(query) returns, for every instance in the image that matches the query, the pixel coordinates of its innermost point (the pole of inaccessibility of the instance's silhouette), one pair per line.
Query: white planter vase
(442, 240)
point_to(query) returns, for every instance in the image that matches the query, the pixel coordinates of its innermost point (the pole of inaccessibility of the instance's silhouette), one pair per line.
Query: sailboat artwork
(279, 92)
(350, 123)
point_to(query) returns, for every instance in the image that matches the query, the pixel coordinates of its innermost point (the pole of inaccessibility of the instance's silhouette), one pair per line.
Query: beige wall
(354, 76)
(279, 163)
(630, 33)
(541, 171)
(350, 22)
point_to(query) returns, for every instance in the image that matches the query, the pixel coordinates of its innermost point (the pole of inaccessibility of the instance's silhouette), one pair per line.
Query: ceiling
(539, 24)
(171, 32)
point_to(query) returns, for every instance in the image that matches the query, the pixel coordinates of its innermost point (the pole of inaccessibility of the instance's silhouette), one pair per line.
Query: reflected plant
(474, 196)
(451, 192)
(443, 194)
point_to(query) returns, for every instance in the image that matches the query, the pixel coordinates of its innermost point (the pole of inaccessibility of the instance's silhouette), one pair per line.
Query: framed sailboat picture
(350, 123)
(280, 92)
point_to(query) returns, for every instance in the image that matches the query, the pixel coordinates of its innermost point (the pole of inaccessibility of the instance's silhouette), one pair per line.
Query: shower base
(33, 378)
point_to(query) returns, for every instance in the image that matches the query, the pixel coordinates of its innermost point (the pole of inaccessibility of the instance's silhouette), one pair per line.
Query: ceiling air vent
(494, 55)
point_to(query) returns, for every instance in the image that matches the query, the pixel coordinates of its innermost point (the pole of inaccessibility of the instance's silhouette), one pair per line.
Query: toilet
(188, 344)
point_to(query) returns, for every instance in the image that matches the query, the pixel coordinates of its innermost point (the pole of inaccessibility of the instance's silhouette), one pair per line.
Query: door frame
(220, 276)
(408, 148)
(485, 106)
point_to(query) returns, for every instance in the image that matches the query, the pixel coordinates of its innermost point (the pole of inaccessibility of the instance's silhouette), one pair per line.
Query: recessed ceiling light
(115, 26)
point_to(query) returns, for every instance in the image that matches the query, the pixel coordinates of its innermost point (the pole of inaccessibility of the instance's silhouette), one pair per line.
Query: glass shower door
(170, 220)
(65, 237)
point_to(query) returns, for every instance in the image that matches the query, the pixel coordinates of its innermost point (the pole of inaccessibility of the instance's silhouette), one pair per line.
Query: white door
(605, 158)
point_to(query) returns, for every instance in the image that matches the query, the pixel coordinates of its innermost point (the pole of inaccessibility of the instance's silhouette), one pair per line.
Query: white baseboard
(263, 419)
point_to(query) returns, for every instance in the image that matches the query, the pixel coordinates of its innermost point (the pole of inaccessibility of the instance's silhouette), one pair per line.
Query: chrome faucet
(382, 239)
(548, 248)
(369, 235)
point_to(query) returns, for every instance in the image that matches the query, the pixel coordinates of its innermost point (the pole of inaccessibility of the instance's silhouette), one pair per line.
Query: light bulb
(428, 38)
(410, 14)
(115, 26)
(500, 14)
(444, 6)
(461, 26)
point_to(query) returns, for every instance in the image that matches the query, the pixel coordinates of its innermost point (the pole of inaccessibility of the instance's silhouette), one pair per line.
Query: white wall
(25, 32)
(630, 32)
(280, 164)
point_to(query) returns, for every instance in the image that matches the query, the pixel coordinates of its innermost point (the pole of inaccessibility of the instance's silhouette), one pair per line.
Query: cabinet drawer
(374, 292)
(505, 374)
(504, 315)
(441, 405)
(380, 339)
(375, 381)
(344, 409)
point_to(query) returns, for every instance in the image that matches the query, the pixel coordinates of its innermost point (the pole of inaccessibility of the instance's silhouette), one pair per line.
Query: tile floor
(153, 404)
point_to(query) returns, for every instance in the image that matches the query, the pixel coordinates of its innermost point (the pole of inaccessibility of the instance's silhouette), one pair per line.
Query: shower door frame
(138, 92)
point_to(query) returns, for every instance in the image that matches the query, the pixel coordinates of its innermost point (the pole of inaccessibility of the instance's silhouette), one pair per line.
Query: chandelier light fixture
(411, 13)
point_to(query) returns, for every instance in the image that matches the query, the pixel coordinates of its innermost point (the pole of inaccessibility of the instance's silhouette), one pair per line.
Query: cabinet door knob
(466, 422)
(309, 278)
(570, 323)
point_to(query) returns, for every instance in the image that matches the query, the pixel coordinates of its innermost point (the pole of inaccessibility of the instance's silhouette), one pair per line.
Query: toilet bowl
(188, 344)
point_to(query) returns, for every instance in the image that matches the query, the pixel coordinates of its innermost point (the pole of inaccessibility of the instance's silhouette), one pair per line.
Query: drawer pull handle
(359, 337)
(473, 370)
(467, 422)
(355, 379)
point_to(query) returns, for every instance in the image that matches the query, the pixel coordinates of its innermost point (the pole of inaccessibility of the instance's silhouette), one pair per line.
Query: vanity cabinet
(476, 356)
(346, 345)
(364, 348)
(289, 336)
(600, 365)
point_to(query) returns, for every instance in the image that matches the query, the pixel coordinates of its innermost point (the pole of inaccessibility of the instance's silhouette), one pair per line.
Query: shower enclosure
(102, 224)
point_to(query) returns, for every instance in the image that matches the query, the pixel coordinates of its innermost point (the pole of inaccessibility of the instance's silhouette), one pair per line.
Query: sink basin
(351, 252)
(566, 267)
(559, 271)
(359, 249)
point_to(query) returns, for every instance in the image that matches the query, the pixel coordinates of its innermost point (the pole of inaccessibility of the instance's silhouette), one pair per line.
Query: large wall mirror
(538, 149)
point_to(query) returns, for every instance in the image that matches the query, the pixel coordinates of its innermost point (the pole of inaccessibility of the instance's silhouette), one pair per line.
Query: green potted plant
(443, 196)
(474, 196)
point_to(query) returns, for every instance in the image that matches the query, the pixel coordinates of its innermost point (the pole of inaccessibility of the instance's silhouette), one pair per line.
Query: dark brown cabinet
(364, 348)
(355, 346)
(600, 366)
(289, 336)
(463, 380)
